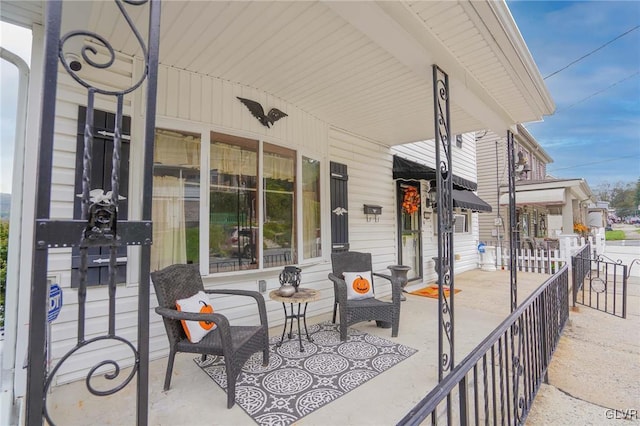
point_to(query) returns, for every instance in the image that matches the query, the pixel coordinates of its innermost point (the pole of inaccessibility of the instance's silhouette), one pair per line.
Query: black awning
(407, 169)
(468, 200)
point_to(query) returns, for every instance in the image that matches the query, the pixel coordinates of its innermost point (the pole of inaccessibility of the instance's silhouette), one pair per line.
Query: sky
(18, 41)
(594, 133)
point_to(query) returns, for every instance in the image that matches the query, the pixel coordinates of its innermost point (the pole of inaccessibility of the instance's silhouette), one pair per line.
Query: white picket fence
(544, 259)
(541, 261)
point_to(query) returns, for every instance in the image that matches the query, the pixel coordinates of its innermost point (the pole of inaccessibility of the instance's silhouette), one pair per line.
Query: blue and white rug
(296, 383)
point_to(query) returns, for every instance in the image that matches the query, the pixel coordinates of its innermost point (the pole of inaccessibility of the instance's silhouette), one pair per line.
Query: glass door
(409, 228)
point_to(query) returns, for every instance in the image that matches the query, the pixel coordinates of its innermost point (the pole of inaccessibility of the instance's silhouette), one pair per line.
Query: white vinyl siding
(463, 165)
(490, 176)
(191, 102)
(207, 100)
(370, 182)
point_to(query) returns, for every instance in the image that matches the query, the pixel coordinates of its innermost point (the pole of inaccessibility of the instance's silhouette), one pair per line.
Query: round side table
(303, 295)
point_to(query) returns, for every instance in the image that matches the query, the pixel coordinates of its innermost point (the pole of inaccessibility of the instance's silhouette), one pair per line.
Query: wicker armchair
(235, 343)
(386, 314)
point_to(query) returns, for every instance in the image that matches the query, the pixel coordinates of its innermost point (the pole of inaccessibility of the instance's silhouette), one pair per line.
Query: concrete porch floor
(194, 399)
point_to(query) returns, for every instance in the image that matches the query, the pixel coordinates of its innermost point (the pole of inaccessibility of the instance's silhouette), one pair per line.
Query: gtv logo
(627, 414)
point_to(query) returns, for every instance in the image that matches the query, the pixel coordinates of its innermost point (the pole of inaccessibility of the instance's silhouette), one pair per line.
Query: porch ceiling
(361, 66)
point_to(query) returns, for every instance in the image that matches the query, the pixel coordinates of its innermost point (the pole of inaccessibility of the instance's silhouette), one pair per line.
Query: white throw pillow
(359, 285)
(198, 303)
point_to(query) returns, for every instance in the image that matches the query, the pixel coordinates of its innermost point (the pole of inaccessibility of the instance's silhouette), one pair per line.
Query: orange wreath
(411, 200)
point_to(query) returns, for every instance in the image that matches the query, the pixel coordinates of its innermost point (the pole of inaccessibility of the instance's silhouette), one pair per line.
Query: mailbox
(372, 211)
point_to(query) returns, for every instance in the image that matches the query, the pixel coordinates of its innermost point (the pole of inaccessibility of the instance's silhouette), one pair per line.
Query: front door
(409, 228)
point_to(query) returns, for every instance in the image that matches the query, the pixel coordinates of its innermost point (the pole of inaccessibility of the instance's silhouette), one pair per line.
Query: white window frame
(324, 164)
(465, 214)
(205, 139)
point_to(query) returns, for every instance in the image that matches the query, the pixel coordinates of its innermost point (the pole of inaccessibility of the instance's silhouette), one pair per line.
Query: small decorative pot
(286, 290)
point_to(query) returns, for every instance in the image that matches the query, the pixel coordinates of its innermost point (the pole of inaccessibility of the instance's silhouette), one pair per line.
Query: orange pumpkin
(206, 309)
(361, 285)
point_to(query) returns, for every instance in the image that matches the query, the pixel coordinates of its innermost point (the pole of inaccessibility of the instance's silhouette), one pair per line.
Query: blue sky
(596, 138)
(592, 135)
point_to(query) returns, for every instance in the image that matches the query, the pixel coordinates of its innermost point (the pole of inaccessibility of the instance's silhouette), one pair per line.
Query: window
(311, 223)
(264, 200)
(176, 199)
(461, 221)
(460, 224)
(524, 224)
(233, 200)
(279, 231)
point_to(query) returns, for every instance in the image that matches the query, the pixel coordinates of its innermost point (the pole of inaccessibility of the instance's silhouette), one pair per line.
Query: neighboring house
(598, 215)
(241, 199)
(545, 206)
(493, 176)
(565, 204)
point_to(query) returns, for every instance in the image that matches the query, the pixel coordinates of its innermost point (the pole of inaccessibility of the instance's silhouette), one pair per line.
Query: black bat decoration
(258, 112)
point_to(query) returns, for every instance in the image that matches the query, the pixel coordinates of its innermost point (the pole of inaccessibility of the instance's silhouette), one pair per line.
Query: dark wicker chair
(386, 314)
(235, 343)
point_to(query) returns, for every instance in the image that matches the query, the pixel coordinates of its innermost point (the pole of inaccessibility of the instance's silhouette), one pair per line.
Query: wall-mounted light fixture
(522, 166)
(432, 198)
(372, 212)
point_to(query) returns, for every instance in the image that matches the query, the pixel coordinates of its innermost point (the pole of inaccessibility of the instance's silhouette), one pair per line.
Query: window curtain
(169, 235)
(311, 225)
(176, 149)
(278, 167)
(233, 160)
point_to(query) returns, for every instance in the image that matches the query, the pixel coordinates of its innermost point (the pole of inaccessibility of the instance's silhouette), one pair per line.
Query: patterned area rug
(296, 383)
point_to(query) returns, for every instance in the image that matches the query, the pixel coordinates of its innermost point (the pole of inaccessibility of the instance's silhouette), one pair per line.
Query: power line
(592, 52)
(589, 164)
(598, 92)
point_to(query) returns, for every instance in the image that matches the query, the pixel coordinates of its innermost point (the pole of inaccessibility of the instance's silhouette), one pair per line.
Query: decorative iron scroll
(99, 225)
(518, 366)
(513, 237)
(444, 187)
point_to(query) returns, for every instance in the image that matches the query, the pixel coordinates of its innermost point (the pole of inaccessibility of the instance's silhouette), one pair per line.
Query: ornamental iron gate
(599, 283)
(99, 225)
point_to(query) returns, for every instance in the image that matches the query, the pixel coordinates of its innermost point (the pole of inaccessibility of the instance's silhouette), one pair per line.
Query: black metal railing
(599, 283)
(580, 267)
(497, 382)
